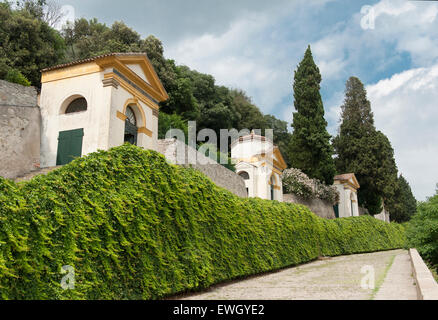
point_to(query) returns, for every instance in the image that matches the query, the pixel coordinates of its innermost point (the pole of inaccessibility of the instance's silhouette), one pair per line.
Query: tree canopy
(28, 43)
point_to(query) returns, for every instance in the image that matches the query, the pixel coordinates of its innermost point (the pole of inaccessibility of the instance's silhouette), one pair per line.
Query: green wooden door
(336, 208)
(69, 146)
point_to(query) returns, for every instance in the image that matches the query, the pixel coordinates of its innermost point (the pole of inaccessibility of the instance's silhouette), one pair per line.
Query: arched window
(131, 129)
(77, 105)
(244, 175)
(131, 116)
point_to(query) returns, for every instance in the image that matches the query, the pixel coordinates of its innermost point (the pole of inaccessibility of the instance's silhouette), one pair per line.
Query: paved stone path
(399, 284)
(328, 279)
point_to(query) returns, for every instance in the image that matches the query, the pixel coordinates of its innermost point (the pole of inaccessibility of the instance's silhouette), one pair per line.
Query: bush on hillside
(135, 227)
(422, 229)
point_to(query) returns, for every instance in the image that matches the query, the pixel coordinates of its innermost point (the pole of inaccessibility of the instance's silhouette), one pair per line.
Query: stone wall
(221, 176)
(384, 216)
(20, 121)
(320, 207)
(363, 211)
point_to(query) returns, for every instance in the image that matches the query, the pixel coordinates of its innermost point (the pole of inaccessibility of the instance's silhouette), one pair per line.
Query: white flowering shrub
(297, 182)
(325, 192)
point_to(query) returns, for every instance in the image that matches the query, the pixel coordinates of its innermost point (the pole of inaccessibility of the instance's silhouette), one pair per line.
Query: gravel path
(328, 279)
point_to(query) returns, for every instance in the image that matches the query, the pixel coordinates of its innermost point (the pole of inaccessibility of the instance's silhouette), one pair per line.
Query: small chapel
(98, 103)
(260, 163)
(347, 186)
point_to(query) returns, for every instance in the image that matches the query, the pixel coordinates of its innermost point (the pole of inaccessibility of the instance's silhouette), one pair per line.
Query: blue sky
(255, 45)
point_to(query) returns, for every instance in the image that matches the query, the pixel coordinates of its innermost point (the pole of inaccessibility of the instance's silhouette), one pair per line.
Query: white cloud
(252, 55)
(405, 109)
(235, 60)
(407, 26)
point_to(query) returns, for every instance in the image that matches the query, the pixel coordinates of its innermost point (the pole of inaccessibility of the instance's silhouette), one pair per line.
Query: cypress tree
(310, 149)
(405, 203)
(366, 152)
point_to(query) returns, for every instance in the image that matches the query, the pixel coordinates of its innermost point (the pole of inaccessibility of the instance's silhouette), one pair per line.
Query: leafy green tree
(422, 230)
(34, 7)
(310, 149)
(176, 80)
(171, 121)
(181, 99)
(164, 68)
(28, 44)
(16, 76)
(368, 153)
(48, 11)
(216, 117)
(87, 38)
(249, 116)
(386, 172)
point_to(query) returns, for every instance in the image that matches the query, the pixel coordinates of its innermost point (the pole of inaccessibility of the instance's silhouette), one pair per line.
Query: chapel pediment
(137, 69)
(347, 179)
(132, 69)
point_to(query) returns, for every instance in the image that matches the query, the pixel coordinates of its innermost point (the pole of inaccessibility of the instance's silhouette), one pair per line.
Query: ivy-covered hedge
(135, 227)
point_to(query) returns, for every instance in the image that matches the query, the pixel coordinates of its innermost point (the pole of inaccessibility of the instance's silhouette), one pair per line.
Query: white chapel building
(347, 186)
(260, 163)
(98, 103)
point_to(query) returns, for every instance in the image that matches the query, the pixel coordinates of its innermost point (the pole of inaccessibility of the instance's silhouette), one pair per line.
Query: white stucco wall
(347, 207)
(248, 148)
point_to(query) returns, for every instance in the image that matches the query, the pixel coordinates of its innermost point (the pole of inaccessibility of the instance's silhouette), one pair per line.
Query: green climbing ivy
(136, 227)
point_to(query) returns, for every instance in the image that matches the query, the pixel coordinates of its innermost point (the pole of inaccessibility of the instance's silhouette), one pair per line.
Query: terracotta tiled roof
(59, 66)
(345, 176)
(251, 136)
(350, 177)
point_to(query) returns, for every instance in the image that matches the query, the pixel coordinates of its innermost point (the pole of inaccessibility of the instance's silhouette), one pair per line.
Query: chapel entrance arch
(131, 129)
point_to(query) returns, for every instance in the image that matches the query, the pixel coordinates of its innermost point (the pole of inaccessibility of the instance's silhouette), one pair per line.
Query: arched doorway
(70, 141)
(244, 175)
(131, 129)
